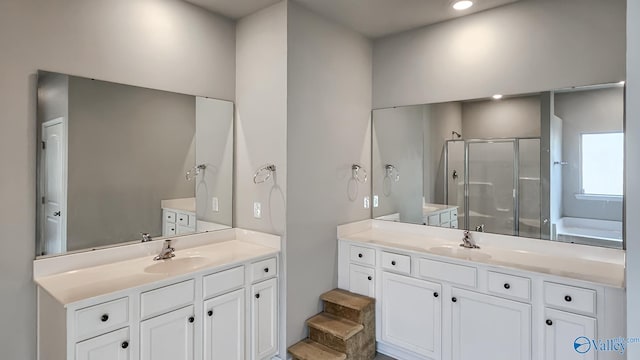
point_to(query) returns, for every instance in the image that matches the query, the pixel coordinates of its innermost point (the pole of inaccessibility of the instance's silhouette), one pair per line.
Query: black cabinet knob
(567, 298)
(266, 270)
(257, 296)
(104, 318)
(454, 299)
(435, 294)
(191, 319)
(210, 312)
(359, 255)
(124, 345)
(393, 263)
(369, 278)
(507, 286)
(549, 322)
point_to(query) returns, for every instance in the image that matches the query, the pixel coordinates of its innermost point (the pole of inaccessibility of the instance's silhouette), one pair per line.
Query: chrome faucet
(467, 242)
(146, 237)
(167, 251)
(480, 228)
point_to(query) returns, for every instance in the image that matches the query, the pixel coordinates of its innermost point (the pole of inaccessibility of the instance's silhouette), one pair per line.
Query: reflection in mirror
(119, 161)
(546, 165)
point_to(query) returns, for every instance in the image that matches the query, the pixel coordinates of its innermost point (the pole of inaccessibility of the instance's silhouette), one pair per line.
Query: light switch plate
(366, 202)
(257, 210)
(375, 201)
(215, 206)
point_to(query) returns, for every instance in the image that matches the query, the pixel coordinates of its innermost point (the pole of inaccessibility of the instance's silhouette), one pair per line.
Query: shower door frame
(516, 175)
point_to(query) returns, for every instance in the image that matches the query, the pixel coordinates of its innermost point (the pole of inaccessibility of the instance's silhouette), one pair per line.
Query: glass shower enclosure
(489, 180)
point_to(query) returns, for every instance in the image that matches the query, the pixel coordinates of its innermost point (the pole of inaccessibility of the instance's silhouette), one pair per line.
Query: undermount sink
(177, 265)
(460, 253)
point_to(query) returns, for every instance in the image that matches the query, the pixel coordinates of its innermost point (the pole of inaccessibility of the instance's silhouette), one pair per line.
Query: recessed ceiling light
(497, 96)
(462, 5)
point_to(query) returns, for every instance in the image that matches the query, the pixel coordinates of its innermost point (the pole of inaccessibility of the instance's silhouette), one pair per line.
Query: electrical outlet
(215, 207)
(366, 202)
(257, 210)
(375, 201)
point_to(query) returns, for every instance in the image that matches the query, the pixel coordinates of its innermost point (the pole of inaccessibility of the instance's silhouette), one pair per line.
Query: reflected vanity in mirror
(547, 165)
(118, 161)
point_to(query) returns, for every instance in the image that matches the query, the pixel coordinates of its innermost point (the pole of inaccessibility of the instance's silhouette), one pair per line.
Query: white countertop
(87, 282)
(587, 263)
(185, 204)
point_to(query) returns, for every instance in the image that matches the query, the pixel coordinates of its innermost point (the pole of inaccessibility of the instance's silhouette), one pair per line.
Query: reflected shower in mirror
(116, 161)
(547, 165)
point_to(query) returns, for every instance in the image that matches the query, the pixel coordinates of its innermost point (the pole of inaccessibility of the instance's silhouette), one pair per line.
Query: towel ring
(263, 174)
(392, 172)
(355, 173)
(191, 174)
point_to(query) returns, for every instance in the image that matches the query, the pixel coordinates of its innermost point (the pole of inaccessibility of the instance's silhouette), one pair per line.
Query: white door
(411, 314)
(264, 319)
(224, 327)
(361, 280)
(54, 187)
(489, 328)
(168, 336)
(111, 346)
(567, 336)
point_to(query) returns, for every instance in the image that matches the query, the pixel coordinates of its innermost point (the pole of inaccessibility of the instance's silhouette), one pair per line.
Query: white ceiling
(373, 18)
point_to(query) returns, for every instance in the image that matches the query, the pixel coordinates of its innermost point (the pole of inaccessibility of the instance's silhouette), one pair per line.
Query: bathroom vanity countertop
(75, 285)
(576, 262)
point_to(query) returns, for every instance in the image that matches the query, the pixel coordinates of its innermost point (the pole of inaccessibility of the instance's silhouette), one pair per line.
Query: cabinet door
(168, 336)
(489, 328)
(411, 314)
(264, 319)
(567, 336)
(361, 280)
(224, 327)
(111, 346)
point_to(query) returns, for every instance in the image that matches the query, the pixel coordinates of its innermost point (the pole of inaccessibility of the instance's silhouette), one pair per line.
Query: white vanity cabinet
(200, 316)
(178, 222)
(433, 307)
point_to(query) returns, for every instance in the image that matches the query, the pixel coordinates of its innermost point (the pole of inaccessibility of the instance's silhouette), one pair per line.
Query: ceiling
(373, 18)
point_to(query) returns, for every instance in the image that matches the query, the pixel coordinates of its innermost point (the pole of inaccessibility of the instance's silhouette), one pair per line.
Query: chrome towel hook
(263, 174)
(191, 174)
(355, 173)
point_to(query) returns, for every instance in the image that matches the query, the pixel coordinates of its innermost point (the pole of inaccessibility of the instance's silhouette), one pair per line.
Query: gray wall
(528, 46)
(513, 117)
(632, 193)
(115, 40)
(214, 148)
(398, 140)
(586, 112)
(329, 104)
(129, 148)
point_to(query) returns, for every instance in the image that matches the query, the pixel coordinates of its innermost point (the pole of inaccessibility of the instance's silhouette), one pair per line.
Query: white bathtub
(589, 232)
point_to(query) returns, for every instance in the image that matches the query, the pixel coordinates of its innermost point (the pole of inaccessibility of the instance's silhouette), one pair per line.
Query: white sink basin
(460, 253)
(177, 265)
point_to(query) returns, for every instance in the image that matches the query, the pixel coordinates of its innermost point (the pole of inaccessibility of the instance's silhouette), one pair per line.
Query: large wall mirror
(547, 165)
(118, 161)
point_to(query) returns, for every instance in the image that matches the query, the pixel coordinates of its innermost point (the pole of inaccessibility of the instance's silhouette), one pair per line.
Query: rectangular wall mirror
(547, 165)
(118, 161)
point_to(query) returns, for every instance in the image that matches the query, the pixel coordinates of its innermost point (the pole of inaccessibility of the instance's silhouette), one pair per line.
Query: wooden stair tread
(347, 299)
(336, 326)
(310, 350)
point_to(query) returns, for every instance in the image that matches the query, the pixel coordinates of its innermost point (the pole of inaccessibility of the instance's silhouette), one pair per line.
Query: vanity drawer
(164, 299)
(396, 262)
(223, 281)
(169, 216)
(101, 318)
(454, 224)
(445, 217)
(169, 229)
(447, 272)
(570, 298)
(363, 255)
(182, 219)
(454, 215)
(509, 285)
(434, 220)
(263, 269)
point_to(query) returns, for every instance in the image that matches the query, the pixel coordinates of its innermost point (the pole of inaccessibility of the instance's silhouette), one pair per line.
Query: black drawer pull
(369, 278)
(567, 298)
(257, 296)
(266, 269)
(454, 299)
(393, 262)
(360, 255)
(191, 319)
(210, 312)
(124, 345)
(435, 294)
(104, 318)
(507, 286)
(549, 322)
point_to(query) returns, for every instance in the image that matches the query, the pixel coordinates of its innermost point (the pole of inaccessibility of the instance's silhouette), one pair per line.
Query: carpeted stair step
(311, 350)
(348, 305)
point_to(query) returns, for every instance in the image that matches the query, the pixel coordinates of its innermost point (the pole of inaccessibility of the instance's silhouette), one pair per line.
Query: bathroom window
(602, 164)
